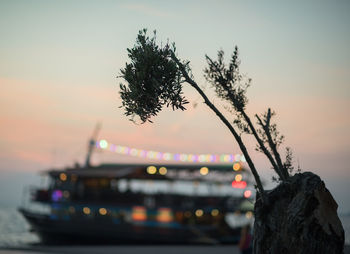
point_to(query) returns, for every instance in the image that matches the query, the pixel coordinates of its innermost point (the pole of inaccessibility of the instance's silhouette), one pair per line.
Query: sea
(15, 231)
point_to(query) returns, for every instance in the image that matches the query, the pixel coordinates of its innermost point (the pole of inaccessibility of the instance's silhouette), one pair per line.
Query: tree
(154, 79)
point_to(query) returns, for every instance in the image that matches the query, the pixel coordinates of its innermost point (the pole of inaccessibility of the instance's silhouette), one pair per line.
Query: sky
(59, 63)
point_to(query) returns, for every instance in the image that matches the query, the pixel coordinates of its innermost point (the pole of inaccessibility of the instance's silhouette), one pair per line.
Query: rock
(299, 217)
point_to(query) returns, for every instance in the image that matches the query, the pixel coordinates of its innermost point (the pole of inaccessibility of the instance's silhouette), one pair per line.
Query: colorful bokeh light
(214, 212)
(247, 193)
(103, 144)
(151, 170)
(238, 177)
(102, 211)
(204, 171)
(199, 212)
(163, 170)
(63, 177)
(56, 195)
(86, 210)
(139, 213)
(239, 185)
(183, 157)
(165, 215)
(236, 166)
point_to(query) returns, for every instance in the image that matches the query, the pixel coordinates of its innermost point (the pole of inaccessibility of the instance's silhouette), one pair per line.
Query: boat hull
(54, 231)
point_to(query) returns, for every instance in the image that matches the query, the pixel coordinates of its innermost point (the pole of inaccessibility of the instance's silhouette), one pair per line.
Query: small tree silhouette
(154, 78)
(295, 217)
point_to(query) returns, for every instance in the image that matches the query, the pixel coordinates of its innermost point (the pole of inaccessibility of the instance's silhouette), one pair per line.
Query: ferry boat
(129, 203)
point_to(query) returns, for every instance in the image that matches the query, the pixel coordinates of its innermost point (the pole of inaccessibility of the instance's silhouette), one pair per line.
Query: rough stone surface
(299, 217)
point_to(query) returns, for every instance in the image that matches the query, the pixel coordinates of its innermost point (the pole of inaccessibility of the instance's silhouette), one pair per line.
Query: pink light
(113, 148)
(177, 157)
(216, 158)
(247, 193)
(56, 195)
(213, 158)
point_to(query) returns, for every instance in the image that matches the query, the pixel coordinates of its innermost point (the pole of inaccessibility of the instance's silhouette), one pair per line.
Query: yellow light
(238, 177)
(199, 212)
(151, 170)
(63, 177)
(86, 210)
(215, 212)
(204, 171)
(248, 214)
(165, 215)
(236, 166)
(102, 211)
(163, 171)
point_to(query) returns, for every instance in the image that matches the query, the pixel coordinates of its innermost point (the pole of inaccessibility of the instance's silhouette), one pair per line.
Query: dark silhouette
(245, 243)
(154, 78)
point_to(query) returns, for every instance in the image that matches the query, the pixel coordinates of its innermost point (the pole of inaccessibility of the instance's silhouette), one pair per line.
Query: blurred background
(59, 62)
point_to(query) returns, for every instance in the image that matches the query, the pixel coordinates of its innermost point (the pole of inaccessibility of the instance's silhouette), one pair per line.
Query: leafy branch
(154, 79)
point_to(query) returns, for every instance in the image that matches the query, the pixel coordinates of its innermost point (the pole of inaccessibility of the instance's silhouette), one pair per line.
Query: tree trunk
(300, 217)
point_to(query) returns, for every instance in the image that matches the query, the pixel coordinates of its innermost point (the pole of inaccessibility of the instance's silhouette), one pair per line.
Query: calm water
(14, 230)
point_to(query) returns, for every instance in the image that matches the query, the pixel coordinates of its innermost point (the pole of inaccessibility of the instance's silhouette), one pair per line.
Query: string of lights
(181, 157)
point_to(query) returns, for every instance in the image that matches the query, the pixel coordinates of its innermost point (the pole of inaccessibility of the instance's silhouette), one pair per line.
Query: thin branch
(272, 144)
(226, 122)
(250, 124)
(262, 146)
